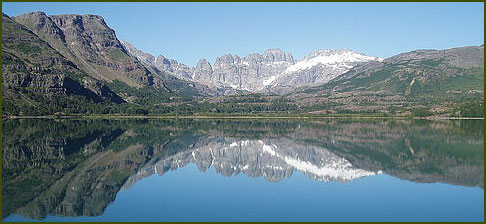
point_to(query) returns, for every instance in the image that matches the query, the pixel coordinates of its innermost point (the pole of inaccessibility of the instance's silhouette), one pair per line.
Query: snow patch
(269, 80)
(330, 58)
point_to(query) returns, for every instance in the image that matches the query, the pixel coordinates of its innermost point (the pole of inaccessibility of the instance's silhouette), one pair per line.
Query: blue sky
(189, 31)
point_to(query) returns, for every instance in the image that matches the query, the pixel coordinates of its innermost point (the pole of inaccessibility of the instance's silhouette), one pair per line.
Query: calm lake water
(242, 170)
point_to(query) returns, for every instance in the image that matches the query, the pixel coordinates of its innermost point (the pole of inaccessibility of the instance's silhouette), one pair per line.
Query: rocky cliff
(80, 64)
(273, 71)
(30, 65)
(90, 43)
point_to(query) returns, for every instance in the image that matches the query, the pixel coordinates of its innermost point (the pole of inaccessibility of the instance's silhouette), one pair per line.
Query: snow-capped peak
(343, 58)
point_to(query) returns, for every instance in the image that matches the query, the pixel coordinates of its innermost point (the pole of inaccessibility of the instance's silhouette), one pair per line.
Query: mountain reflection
(76, 167)
(274, 159)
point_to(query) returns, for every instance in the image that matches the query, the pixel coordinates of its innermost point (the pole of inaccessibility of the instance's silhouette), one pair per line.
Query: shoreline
(232, 117)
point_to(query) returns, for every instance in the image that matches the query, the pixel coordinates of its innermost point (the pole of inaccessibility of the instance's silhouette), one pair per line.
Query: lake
(242, 170)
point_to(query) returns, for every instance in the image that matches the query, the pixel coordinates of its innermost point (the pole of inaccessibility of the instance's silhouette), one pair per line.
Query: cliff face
(90, 44)
(29, 64)
(274, 71)
(93, 47)
(75, 64)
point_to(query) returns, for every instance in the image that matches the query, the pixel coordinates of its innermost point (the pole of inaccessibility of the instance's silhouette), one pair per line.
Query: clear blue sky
(189, 31)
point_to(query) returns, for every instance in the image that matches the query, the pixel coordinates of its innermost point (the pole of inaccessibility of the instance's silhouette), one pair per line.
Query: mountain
(33, 70)
(273, 71)
(177, 76)
(78, 60)
(228, 72)
(430, 80)
(251, 73)
(145, 58)
(320, 67)
(171, 66)
(89, 43)
(75, 64)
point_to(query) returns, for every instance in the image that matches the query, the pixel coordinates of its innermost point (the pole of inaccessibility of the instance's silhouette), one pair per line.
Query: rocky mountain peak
(277, 55)
(94, 17)
(203, 62)
(41, 25)
(34, 14)
(173, 67)
(91, 26)
(226, 59)
(161, 60)
(203, 70)
(273, 68)
(145, 58)
(253, 58)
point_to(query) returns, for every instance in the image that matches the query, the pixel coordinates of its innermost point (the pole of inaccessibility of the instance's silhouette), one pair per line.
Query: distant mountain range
(71, 64)
(274, 70)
